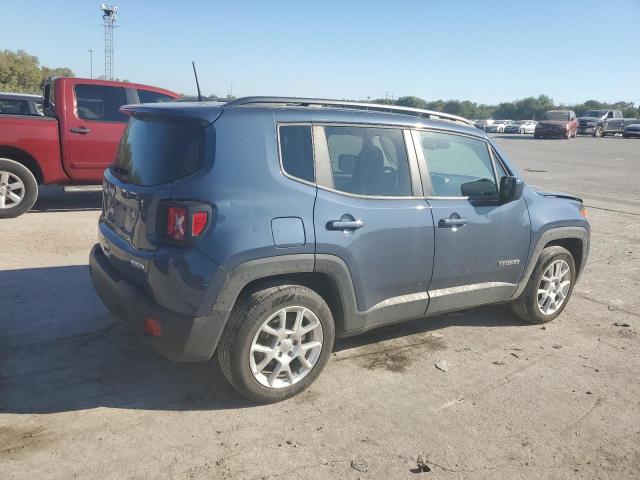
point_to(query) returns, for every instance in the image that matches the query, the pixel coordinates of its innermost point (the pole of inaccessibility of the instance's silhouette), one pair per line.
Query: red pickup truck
(71, 144)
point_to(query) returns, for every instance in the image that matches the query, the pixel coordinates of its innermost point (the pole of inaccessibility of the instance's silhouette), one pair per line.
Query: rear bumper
(183, 337)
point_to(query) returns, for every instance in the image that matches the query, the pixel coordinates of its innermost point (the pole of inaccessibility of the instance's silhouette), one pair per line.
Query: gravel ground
(79, 399)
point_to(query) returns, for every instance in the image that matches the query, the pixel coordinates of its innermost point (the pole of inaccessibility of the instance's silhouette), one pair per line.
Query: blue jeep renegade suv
(262, 228)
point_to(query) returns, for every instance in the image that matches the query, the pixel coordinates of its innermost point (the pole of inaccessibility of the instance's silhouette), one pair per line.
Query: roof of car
(28, 96)
(306, 110)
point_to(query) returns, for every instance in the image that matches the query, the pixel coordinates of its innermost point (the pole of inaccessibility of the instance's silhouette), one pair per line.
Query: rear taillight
(176, 223)
(198, 222)
(181, 223)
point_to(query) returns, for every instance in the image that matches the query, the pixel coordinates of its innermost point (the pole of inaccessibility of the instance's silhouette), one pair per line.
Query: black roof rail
(306, 102)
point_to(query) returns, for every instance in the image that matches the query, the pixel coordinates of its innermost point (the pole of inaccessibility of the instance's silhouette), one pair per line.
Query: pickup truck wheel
(18, 188)
(276, 342)
(598, 131)
(549, 287)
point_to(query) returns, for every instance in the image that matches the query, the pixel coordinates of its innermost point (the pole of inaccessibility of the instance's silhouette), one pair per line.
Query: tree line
(22, 73)
(530, 108)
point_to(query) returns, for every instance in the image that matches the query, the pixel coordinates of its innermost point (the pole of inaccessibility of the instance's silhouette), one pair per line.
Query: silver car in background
(522, 127)
(498, 126)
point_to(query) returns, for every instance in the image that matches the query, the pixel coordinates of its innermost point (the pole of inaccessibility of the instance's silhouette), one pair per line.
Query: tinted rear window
(297, 151)
(159, 150)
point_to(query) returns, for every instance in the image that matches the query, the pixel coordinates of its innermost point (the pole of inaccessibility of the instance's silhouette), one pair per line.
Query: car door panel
(386, 241)
(480, 246)
(93, 130)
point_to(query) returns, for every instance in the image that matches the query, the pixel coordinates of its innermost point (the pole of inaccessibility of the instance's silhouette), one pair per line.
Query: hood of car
(547, 193)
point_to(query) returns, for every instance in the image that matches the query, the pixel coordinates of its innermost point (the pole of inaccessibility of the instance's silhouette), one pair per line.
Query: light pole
(91, 61)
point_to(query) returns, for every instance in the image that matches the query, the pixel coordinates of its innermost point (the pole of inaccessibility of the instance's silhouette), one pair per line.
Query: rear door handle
(81, 130)
(452, 222)
(344, 224)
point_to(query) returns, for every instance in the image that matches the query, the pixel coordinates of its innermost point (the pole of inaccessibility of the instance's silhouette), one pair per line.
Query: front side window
(369, 161)
(97, 102)
(458, 166)
(296, 149)
(147, 96)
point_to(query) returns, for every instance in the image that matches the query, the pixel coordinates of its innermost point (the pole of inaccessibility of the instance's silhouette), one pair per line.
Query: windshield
(594, 113)
(556, 116)
(158, 150)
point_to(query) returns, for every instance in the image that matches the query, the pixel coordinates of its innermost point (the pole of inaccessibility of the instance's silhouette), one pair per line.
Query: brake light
(198, 222)
(183, 222)
(176, 223)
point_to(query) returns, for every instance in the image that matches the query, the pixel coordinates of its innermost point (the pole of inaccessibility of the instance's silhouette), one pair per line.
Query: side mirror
(347, 163)
(510, 189)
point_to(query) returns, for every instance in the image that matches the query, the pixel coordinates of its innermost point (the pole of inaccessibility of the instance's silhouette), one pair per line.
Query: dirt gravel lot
(79, 398)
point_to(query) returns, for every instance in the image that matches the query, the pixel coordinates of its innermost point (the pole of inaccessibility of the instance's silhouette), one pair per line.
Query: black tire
(247, 317)
(526, 306)
(598, 131)
(536, 136)
(28, 193)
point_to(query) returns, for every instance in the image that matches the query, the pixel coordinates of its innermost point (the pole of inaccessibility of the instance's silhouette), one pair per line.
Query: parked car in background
(600, 123)
(498, 126)
(482, 124)
(197, 266)
(71, 144)
(631, 130)
(20, 104)
(557, 123)
(522, 127)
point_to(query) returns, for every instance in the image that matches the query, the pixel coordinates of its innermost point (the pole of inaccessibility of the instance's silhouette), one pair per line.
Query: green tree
(22, 73)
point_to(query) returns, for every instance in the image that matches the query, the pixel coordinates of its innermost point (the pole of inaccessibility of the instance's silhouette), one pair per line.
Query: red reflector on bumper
(153, 327)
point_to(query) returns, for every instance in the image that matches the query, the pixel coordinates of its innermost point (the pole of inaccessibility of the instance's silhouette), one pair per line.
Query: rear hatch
(157, 150)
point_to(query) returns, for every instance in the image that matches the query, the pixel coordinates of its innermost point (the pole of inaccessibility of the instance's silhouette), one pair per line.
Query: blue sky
(485, 51)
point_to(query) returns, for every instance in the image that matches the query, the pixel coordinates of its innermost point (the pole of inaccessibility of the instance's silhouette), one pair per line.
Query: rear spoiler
(205, 113)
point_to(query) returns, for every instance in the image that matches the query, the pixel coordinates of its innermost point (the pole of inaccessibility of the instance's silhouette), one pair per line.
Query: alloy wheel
(286, 347)
(12, 190)
(554, 287)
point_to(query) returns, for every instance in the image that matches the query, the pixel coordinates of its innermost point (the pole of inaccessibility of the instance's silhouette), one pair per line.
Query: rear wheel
(276, 343)
(18, 188)
(549, 287)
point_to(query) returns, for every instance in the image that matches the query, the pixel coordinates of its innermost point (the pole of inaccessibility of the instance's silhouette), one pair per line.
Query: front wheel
(598, 132)
(18, 188)
(522, 132)
(277, 342)
(549, 287)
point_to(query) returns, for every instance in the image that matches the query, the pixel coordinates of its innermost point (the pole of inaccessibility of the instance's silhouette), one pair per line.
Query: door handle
(344, 224)
(452, 222)
(81, 130)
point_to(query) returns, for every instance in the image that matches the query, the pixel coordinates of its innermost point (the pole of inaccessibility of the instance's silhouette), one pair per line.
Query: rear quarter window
(156, 150)
(296, 151)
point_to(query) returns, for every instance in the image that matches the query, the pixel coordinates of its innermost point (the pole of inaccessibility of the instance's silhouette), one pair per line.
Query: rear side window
(156, 150)
(458, 166)
(296, 149)
(14, 107)
(369, 161)
(98, 102)
(147, 96)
